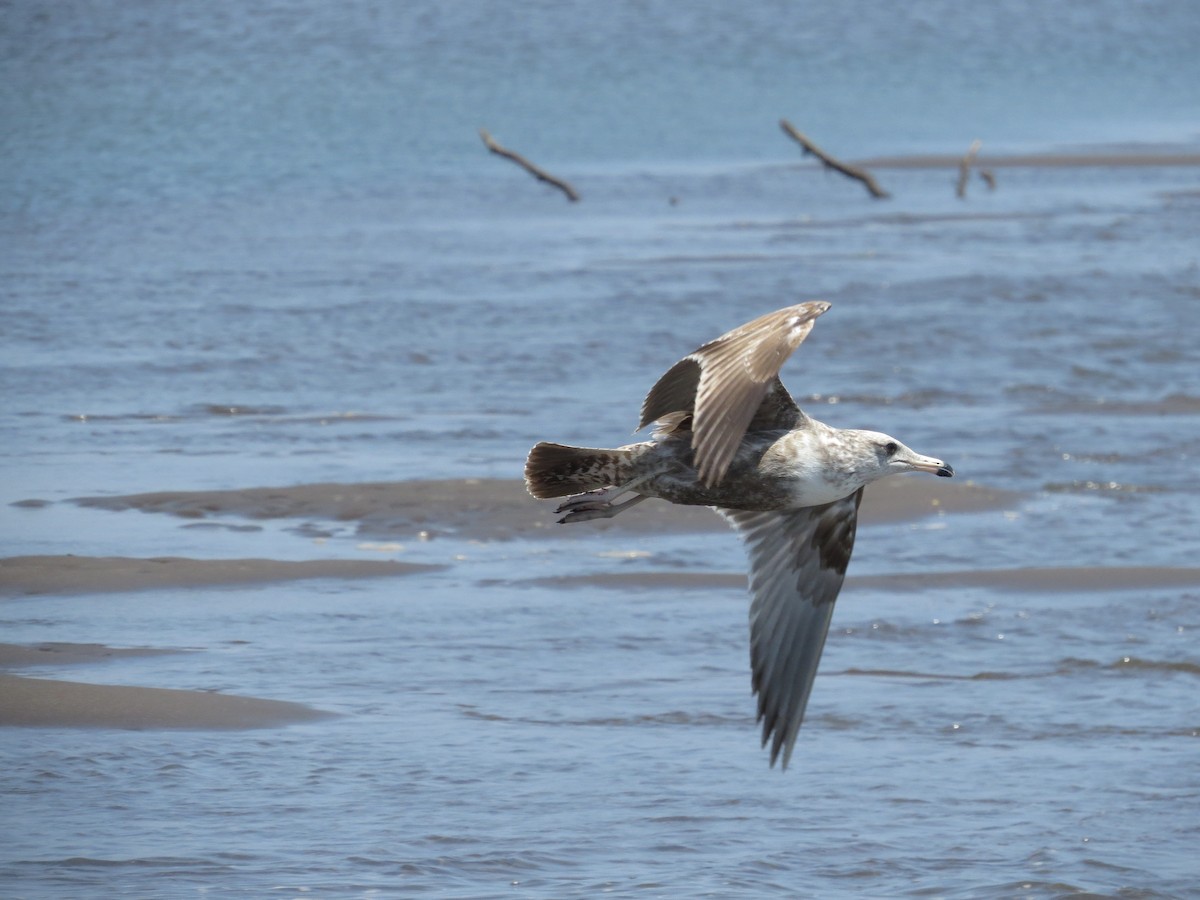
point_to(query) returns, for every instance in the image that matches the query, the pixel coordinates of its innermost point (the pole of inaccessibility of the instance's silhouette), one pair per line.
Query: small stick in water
(539, 174)
(828, 161)
(964, 169)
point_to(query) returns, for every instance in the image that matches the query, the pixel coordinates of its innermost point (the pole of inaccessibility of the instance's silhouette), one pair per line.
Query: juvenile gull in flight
(729, 435)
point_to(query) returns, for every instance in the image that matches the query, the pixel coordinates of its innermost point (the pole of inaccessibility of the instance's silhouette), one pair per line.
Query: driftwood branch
(830, 163)
(964, 168)
(539, 174)
(964, 171)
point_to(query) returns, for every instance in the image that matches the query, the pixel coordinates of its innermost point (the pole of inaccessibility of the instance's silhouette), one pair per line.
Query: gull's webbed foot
(594, 505)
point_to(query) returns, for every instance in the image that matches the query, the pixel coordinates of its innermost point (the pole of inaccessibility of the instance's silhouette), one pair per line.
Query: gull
(728, 435)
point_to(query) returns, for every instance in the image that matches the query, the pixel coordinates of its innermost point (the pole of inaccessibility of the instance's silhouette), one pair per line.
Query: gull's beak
(930, 465)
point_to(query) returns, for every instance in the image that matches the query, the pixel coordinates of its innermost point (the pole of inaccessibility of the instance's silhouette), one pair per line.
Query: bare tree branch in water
(539, 174)
(964, 171)
(964, 168)
(829, 162)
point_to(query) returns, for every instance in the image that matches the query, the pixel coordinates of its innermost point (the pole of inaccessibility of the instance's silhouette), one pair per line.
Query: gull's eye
(891, 448)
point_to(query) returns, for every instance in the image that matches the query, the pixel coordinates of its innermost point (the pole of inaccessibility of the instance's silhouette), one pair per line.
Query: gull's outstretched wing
(731, 382)
(798, 561)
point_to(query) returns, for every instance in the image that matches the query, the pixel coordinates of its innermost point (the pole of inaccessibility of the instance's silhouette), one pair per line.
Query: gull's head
(887, 456)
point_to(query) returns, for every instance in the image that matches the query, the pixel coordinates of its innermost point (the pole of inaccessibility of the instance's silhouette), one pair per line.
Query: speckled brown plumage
(729, 435)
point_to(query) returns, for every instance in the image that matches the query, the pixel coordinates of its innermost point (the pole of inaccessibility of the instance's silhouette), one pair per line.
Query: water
(264, 246)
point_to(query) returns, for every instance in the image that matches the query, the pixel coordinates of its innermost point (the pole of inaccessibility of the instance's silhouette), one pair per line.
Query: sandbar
(1140, 157)
(39, 702)
(1094, 579)
(497, 509)
(62, 653)
(66, 574)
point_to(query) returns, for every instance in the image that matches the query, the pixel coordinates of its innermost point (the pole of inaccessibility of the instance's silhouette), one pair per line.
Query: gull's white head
(879, 455)
(833, 463)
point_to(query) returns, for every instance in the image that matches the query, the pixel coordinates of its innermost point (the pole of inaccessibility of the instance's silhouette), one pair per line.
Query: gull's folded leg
(585, 507)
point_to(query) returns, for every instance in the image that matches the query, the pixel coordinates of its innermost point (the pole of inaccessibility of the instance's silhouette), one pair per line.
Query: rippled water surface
(255, 247)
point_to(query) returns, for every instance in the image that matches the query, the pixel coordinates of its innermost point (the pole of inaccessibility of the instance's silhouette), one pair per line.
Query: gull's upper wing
(798, 561)
(733, 381)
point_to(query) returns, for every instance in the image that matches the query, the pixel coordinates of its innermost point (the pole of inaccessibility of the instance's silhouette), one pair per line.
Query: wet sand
(40, 702)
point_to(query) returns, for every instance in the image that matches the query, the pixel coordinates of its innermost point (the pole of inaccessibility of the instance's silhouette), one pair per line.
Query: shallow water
(960, 742)
(266, 248)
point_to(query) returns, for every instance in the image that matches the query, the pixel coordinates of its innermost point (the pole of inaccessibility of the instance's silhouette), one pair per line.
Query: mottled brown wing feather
(777, 411)
(673, 393)
(798, 561)
(733, 381)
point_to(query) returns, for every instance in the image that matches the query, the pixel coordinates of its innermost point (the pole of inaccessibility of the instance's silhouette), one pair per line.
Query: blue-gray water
(262, 244)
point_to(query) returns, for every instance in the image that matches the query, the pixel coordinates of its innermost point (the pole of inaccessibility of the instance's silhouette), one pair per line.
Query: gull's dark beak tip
(945, 471)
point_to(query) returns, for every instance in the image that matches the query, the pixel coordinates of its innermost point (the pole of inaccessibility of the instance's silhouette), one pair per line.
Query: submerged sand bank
(38, 702)
(60, 653)
(1047, 580)
(23, 575)
(1124, 158)
(490, 509)
(477, 509)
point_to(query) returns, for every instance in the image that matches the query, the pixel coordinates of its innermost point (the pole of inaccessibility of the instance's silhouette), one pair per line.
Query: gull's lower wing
(798, 561)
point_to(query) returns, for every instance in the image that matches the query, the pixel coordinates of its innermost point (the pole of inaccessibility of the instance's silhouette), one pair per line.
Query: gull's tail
(556, 470)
